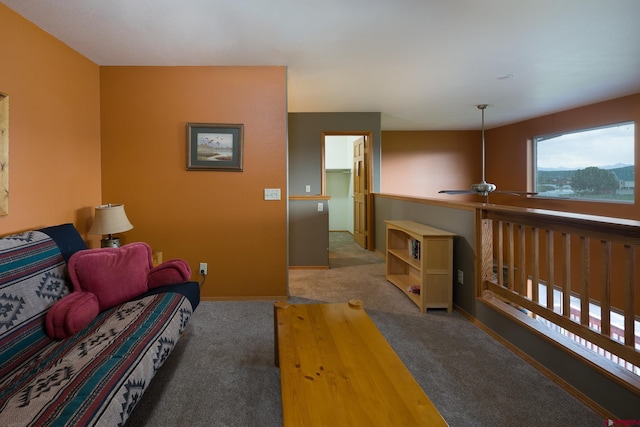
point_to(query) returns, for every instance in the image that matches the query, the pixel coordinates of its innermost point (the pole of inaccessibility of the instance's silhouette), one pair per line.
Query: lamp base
(113, 242)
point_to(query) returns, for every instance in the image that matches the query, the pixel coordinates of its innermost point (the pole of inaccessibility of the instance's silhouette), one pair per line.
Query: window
(590, 164)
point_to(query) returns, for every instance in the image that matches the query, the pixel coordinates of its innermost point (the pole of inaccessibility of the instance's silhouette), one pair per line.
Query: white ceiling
(424, 64)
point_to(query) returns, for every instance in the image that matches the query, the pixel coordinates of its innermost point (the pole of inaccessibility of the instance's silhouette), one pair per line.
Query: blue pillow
(67, 238)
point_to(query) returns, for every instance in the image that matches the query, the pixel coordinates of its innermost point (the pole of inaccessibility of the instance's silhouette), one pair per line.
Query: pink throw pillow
(169, 273)
(114, 275)
(71, 314)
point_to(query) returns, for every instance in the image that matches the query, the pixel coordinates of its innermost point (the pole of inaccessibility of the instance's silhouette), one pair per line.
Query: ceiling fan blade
(516, 193)
(458, 191)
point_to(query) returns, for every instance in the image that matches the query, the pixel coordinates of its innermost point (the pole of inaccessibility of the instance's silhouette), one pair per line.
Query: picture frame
(215, 146)
(4, 154)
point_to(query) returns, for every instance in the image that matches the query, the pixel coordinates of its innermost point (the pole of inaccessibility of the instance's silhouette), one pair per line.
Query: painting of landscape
(215, 147)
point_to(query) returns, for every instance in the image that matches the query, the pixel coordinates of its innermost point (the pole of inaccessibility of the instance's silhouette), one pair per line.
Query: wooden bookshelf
(420, 257)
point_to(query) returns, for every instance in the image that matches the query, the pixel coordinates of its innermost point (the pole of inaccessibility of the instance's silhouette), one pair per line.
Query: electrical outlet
(307, 188)
(320, 207)
(203, 268)
(460, 277)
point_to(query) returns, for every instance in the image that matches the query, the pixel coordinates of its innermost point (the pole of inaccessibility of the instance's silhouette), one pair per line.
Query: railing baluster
(510, 272)
(522, 273)
(629, 295)
(535, 263)
(585, 269)
(550, 270)
(486, 269)
(566, 276)
(500, 272)
(605, 289)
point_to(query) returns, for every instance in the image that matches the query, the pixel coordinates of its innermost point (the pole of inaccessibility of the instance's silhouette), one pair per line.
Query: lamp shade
(110, 219)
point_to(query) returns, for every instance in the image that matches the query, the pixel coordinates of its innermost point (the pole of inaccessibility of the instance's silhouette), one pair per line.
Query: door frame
(368, 136)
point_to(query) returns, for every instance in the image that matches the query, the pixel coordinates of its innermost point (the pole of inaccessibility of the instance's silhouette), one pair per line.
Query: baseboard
(246, 298)
(308, 267)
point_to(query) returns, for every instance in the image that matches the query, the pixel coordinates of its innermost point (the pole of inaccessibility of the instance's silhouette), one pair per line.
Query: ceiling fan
(483, 188)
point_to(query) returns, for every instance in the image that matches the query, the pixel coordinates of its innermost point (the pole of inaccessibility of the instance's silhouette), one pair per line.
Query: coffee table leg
(278, 305)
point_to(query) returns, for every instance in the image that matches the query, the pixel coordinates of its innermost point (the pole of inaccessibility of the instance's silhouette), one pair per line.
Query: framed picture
(214, 146)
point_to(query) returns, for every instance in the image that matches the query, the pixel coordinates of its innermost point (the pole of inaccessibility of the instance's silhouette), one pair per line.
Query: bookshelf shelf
(420, 257)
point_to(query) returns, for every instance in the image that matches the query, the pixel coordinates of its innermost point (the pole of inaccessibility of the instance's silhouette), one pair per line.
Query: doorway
(346, 180)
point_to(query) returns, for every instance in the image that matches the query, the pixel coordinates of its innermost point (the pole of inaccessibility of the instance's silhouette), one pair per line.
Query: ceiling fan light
(483, 187)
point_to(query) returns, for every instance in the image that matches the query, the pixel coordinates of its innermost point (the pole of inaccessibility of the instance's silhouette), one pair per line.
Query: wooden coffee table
(336, 368)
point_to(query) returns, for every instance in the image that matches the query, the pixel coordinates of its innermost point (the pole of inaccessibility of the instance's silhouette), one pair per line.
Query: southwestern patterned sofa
(78, 348)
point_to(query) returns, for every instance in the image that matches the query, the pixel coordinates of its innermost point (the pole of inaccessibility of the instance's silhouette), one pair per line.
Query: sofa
(83, 331)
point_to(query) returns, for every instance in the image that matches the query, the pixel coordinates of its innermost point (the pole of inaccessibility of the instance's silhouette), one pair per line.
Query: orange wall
(200, 216)
(420, 163)
(54, 129)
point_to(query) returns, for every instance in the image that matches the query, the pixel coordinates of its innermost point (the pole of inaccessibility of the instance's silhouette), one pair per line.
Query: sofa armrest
(168, 273)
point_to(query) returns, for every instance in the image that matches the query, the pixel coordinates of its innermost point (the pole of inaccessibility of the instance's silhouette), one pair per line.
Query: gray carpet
(222, 373)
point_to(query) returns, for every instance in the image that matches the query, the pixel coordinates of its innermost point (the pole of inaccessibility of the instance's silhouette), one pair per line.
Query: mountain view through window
(593, 164)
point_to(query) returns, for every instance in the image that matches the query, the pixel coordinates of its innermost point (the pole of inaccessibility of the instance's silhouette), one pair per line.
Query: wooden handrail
(589, 258)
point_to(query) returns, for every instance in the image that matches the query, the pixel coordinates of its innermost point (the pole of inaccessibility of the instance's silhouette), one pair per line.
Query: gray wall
(306, 248)
(616, 399)
(305, 145)
(311, 230)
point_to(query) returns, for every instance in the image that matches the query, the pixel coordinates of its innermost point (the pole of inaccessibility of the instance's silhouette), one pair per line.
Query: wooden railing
(539, 262)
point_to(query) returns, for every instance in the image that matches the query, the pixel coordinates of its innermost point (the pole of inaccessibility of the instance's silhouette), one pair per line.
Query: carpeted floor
(222, 373)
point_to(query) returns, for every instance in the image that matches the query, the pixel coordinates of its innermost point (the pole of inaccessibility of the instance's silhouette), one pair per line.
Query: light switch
(307, 188)
(272, 194)
(320, 207)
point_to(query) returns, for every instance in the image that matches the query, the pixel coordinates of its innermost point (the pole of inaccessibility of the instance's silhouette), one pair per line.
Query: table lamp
(110, 219)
